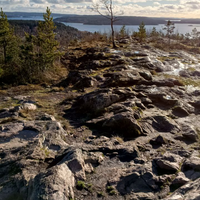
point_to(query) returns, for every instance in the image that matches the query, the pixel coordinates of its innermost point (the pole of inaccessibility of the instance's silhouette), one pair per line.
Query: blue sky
(149, 8)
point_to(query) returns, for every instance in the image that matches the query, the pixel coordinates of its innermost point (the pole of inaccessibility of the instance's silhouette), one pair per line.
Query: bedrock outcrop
(124, 124)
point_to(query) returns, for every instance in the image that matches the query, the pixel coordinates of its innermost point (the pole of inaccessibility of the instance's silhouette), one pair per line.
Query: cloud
(158, 8)
(156, 4)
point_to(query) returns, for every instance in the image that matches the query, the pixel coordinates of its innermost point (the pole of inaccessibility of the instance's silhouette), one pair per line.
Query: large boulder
(123, 78)
(98, 100)
(74, 160)
(56, 183)
(188, 191)
(125, 123)
(168, 163)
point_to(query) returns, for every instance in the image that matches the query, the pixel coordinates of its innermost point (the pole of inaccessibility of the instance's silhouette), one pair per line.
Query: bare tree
(109, 13)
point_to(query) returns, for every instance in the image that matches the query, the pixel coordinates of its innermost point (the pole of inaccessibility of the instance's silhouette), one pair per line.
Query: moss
(46, 151)
(189, 81)
(89, 187)
(119, 139)
(100, 194)
(111, 190)
(80, 185)
(184, 81)
(191, 69)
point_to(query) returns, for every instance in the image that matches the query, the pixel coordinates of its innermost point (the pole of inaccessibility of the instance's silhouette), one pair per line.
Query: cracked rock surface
(122, 125)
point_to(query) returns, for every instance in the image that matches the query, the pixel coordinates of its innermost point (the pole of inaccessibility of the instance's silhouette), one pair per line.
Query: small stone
(29, 106)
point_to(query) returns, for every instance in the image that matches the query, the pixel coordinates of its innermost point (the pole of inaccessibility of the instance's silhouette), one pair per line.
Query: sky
(148, 8)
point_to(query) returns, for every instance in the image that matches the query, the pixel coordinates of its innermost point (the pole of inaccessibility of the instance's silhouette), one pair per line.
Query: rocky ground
(123, 125)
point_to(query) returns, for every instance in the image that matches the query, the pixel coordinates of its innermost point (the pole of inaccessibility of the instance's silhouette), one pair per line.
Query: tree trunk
(4, 53)
(113, 34)
(169, 40)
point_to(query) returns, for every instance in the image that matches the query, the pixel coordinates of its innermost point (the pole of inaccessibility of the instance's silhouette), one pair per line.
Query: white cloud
(158, 8)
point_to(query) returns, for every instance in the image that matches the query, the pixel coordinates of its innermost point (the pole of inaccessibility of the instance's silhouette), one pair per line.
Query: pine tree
(122, 31)
(142, 32)
(169, 27)
(29, 66)
(5, 35)
(9, 48)
(195, 36)
(47, 46)
(154, 34)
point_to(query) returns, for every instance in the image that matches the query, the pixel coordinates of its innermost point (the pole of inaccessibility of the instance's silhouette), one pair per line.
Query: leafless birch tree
(109, 13)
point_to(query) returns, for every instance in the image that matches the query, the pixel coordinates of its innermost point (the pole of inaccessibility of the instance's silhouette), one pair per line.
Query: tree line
(27, 59)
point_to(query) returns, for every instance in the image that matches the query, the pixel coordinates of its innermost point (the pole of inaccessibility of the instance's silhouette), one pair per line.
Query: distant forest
(122, 20)
(100, 20)
(30, 26)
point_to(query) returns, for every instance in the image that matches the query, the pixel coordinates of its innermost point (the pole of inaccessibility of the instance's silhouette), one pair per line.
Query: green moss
(184, 81)
(189, 81)
(100, 194)
(191, 69)
(80, 185)
(111, 190)
(46, 151)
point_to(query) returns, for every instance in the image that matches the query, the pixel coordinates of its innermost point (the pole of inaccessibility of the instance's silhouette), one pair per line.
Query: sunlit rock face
(122, 124)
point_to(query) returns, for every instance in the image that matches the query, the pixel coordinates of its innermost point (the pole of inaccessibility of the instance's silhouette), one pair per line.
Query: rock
(74, 77)
(143, 196)
(195, 73)
(20, 97)
(98, 100)
(132, 184)
(124, 78)
(179, 111)
(180, 180)
(7, 113)
(56, 183)
(124, 123)
(168, 163)
(158, 141)
(192, 174)
(86, 82)
(164, 124)
(146, 75)
(132, 132)
(196, 104)
(192, 163)
(189, 133)
(187, 191)
(150, 180)
(162, 98)
(47, 117)
(74, 160)
(29, 106)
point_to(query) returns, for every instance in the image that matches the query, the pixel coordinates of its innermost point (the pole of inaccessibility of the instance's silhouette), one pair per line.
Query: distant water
(179, 28)
(36, 18)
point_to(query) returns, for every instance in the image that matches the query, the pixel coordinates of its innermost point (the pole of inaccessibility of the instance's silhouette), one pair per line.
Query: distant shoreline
(100, 20)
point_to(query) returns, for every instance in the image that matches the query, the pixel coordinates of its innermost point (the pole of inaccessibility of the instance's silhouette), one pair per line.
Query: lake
(179, 28)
